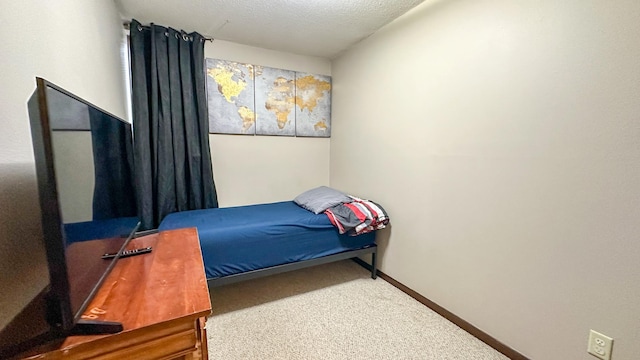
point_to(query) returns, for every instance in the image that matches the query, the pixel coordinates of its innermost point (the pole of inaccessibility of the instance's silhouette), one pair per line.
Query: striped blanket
(357, 217)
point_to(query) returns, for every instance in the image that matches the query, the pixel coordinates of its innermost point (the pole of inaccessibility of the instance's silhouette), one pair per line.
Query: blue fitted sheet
(244, 238)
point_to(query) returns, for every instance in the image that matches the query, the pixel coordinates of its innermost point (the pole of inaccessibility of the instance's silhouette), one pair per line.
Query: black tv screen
(84, 167)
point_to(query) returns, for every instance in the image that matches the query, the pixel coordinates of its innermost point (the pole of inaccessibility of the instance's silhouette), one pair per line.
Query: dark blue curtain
(113, 196)
(170, 121)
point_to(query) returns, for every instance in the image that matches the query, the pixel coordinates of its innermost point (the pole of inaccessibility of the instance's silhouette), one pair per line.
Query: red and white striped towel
(358, 217)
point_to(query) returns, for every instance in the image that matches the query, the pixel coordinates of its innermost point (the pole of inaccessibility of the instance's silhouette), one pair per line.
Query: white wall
(74, 44)
(259, 169)
(503, 139)
(72, 151)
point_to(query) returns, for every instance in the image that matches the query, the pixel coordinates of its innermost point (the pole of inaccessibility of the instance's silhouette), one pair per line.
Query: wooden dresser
(161, 298)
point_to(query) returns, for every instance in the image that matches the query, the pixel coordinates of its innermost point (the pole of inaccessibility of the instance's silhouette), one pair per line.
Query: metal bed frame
(248, 275)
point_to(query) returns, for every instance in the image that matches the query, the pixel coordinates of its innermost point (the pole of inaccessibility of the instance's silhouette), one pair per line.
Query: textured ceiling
(322, 28)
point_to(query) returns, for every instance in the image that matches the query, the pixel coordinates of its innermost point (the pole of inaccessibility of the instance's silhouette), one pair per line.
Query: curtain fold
(171, 135)
(110, 141)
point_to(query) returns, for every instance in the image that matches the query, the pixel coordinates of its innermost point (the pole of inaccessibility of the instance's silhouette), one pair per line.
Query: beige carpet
(333, 311)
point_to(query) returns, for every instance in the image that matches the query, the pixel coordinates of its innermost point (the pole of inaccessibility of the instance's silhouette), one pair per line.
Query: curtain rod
(127, 26)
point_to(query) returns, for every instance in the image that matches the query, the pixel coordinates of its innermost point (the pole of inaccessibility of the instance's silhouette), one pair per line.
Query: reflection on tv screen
(93, 161)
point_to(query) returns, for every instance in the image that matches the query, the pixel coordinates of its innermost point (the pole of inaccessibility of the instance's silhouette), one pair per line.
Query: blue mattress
(244, 238)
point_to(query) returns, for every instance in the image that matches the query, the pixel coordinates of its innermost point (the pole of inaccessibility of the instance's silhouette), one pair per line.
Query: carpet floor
(332, 311)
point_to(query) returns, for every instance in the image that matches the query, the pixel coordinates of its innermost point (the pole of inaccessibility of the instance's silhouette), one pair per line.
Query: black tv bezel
(60, 314)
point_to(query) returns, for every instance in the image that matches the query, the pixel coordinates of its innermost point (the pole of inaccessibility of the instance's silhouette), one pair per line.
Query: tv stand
(160, 300)
(96, 327)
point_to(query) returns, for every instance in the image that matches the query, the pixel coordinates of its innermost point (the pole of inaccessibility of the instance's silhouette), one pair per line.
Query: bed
(246, 242)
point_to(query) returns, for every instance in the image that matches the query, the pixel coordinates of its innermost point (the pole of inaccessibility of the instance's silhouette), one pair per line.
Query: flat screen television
(84, 169)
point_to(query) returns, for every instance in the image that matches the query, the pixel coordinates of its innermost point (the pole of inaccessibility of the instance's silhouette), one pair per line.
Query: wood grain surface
(161, 298)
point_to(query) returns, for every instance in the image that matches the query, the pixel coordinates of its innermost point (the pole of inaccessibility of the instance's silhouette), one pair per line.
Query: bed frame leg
(374, 271)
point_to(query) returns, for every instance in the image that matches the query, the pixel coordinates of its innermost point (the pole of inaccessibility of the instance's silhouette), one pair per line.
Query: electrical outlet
(600, 345)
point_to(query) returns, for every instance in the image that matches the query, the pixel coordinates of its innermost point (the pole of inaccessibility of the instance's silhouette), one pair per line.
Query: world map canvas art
(313, 105)
(259, 100)
(275, 99)
(230, 97)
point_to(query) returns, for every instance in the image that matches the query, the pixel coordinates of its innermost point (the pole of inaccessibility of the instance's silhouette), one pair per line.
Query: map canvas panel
(275, 101)
(313, 105)
(230, 97)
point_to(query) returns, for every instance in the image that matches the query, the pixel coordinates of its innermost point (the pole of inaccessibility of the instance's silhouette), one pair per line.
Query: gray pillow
(321, 198)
